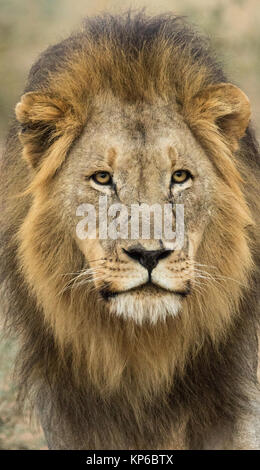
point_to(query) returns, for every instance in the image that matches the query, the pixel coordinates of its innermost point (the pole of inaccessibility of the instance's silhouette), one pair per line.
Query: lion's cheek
(92, 250)
(195, 238)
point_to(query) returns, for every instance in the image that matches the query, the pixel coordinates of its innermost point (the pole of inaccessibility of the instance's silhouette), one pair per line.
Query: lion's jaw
(128, 290)
(141, 308)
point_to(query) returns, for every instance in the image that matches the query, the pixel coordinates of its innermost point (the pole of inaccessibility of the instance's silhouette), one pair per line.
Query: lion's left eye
(180, 176)
(102, 177)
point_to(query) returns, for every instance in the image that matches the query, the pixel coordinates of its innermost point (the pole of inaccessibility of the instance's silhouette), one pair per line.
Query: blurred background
(29, 26)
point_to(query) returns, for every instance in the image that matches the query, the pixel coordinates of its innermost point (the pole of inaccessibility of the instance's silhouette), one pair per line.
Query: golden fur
(124, 361)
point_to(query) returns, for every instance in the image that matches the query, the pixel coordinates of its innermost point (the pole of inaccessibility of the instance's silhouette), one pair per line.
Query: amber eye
(180, 176)
(102, 177)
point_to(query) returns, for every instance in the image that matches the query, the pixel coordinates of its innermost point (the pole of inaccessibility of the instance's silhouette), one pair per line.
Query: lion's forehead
(144, 137)
(141, 145)
(138, 123)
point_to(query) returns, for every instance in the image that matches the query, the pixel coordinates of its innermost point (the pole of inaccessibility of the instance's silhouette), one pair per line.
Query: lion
(133, 343)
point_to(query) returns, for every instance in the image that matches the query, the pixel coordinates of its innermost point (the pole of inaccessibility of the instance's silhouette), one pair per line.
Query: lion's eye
(102, 177)
(180, 176)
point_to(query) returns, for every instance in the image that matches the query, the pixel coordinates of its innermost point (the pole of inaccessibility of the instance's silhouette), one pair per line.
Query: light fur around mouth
(146, 303)
(142, 308)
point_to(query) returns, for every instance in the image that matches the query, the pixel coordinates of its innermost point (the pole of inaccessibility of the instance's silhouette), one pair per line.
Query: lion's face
(138, 154)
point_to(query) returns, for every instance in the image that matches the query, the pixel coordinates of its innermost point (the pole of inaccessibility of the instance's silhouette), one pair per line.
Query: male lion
(134, 344)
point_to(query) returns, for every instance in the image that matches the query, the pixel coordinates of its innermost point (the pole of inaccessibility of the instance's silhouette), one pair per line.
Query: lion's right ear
(44, 121)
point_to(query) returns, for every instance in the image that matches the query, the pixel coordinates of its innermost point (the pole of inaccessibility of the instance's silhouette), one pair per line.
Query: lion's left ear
(224, 106)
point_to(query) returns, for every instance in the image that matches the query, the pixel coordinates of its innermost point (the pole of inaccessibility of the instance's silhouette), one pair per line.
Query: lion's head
(143, 123)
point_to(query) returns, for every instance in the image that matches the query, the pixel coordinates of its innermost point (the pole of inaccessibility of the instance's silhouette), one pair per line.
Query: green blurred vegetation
(16, 431)
(29, 26)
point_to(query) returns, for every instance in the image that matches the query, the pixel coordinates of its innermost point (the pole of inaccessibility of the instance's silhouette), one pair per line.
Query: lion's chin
(143, 308)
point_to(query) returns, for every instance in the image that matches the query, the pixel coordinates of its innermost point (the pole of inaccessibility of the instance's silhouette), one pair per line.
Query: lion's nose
(147, 258)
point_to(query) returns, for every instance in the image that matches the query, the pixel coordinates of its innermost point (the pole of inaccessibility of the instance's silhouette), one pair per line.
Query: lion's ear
(43, 120)
(225, 106)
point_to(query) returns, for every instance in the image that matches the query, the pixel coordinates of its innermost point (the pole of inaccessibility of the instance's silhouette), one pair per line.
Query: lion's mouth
(149, 288)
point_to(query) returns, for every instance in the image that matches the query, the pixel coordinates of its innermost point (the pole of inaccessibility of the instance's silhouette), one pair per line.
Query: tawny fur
(105, 381)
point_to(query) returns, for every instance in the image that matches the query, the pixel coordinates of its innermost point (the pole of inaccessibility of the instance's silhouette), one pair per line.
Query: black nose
(147, 258)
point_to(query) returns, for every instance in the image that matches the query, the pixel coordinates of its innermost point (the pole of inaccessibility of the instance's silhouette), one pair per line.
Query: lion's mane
(74, 363)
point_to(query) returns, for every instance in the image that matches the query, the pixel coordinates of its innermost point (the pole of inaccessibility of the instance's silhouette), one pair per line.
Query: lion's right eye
(102, 177)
